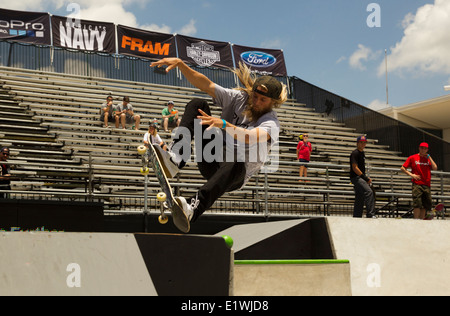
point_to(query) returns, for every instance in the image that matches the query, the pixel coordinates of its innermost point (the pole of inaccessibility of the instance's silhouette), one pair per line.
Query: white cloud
(377, 105)
(362, 54)
(340, 60)
(156, 28)
(99, 10)
(273, 43)
(107, 12)
(30, 5)
(188, 29)
(114, 11)
(425, 46)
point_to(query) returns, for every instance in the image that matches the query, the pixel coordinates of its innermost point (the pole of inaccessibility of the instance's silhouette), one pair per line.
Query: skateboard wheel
(163, 219)
(141, 149)
(145, 171)
(161, 197)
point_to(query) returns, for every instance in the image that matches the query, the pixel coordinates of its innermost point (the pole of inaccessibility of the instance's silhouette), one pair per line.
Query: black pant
(363, 195)
(223, 176)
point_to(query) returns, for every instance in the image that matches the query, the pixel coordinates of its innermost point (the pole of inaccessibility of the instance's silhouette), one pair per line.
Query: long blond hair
(247, 79)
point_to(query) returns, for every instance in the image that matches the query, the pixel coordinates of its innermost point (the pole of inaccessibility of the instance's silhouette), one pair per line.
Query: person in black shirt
(4, 172)
(361, 183)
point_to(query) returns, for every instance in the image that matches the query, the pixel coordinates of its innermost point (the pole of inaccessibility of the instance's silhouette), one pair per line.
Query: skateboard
(439, 210)
(151, 156)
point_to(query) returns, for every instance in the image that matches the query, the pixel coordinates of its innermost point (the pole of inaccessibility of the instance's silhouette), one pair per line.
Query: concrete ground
(394, 256)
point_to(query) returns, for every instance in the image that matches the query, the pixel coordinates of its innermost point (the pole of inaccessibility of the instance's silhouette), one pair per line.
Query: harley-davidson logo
(203, 54)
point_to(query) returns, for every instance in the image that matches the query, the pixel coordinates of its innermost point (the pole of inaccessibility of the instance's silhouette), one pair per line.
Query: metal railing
(267, 199)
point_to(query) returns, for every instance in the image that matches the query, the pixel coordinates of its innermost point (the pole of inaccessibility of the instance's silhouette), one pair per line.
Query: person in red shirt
(304, 149)
(5, 174)
(421, 165)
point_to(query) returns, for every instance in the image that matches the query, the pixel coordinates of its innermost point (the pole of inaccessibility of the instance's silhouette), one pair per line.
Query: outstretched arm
(199, 80)
(255, 135)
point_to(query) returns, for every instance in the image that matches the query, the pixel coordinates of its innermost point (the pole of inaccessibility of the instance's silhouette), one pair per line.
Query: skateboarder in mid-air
(247, 123)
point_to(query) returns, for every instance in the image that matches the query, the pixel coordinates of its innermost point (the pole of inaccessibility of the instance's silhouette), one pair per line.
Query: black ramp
(294, 239)
(186, 265)
(51, 215)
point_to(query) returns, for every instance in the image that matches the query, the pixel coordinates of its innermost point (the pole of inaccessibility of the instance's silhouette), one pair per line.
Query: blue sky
(326, 42)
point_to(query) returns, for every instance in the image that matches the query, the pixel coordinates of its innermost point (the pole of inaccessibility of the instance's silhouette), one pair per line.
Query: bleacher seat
(51, 122)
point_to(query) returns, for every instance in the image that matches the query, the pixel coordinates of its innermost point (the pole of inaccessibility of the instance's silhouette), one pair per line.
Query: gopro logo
(16, 24)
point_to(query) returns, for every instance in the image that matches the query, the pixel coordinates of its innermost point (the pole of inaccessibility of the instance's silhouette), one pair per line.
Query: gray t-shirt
(128, 107)
(233, 103)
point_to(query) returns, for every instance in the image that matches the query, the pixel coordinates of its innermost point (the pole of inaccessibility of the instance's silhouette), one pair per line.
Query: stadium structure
(72, 174)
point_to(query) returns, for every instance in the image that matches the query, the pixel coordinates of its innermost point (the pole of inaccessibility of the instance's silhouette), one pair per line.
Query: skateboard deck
(438, 210)
(151, 156)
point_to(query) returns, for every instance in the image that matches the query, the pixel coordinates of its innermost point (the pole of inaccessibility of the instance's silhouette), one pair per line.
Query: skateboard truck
(151, 158)
(141, 151)
(161, 197)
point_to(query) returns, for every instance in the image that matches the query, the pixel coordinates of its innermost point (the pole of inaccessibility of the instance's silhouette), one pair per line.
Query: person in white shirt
(152, 137)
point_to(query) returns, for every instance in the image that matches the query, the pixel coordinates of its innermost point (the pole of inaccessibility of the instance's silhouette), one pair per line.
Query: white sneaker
(166, 157)
(174, 158)
(188, 209)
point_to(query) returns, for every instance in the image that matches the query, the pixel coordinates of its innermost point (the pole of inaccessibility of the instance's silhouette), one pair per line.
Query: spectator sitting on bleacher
(5, 173)
(125, 114)
(152, 137)
(106, 112)
(170, 117)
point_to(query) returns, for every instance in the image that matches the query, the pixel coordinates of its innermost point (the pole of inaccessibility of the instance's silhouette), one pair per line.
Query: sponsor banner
(83, 34)
(204, 53)
(27, 27)
(261, 60)
(145, 44)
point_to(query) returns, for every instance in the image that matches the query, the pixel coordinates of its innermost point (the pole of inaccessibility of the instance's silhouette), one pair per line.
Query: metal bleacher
(51, 123)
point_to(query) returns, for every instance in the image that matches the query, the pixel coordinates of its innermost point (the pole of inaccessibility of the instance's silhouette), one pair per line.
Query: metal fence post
(266, 195)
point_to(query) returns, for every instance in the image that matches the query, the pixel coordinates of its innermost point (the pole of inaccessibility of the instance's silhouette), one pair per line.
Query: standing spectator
(170, 117)
(304, 149)
(106, 111)
(421, 165)
(152, 137)
(126, 115)
(5, 173)
(361, 183)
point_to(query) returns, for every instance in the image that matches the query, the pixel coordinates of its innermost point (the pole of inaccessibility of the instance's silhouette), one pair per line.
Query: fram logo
(258, 59)
(136, 44)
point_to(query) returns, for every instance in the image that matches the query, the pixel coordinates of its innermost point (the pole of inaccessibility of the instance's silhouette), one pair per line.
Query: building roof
(432, 113)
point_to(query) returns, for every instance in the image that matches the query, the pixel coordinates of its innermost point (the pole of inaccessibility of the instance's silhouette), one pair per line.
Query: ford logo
(258, 59)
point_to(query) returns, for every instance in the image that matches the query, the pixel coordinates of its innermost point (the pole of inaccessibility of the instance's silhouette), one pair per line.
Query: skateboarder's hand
(210, 120)
(169, 62)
